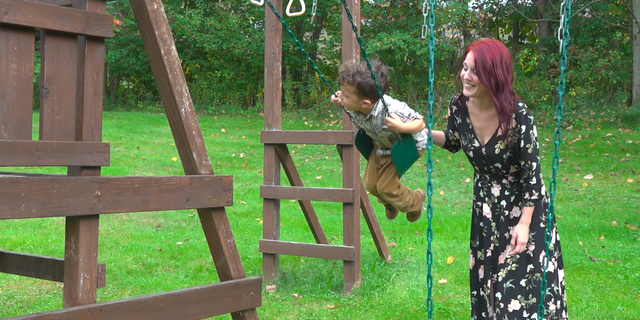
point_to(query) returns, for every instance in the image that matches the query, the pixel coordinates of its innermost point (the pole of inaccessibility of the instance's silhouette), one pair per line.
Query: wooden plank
(16, 82)
(307, 137)
(344, 195)
(324, 251)
(55, 2)
(38, 197)
(39, 267)
(56, 18)
(306, 206)
(185, 304)
(53, 153)
(58, 86)
(172, 86)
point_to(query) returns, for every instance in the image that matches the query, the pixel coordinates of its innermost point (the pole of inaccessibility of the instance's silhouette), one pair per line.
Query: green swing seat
(403, 153)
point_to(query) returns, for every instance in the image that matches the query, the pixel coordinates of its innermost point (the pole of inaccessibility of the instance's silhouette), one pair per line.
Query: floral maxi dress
(507, 178)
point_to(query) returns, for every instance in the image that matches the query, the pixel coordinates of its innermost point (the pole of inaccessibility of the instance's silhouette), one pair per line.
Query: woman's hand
(519, 239)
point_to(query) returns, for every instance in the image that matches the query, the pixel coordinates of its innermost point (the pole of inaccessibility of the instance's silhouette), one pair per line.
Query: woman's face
(471, 85)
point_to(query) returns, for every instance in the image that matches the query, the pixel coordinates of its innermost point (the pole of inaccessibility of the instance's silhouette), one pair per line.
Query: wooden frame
(72, 34)
(276, 155)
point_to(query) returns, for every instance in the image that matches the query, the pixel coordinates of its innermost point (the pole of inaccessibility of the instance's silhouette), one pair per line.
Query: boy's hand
(394, 123)
(336, 99)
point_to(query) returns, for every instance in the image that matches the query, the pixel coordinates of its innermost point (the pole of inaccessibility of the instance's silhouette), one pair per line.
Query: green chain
(293, 36)
(566, 14)
(432, 41)
(364, 53)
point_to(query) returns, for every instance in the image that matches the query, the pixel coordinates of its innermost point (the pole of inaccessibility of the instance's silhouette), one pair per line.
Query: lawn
(597, 207)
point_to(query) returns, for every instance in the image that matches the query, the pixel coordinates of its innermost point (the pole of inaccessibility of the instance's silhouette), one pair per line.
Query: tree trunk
(635, 84)
(544, 31)
(515, 29)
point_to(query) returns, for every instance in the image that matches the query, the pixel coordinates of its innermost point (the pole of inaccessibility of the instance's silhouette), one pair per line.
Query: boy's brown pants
(381, 180)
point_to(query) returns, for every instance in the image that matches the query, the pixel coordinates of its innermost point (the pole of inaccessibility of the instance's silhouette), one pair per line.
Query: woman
(509, 213)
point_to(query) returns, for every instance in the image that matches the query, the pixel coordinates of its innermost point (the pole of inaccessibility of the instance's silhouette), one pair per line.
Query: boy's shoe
(391, 212)
(413, 217)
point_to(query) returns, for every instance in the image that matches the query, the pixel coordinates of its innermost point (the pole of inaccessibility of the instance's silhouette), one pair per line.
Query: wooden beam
(324, 251)
(178, 105)
(56, 18)
(343, 195)
(16, 82)
(38, 197)
(55, 2)
(186, 304)
(307, 137)
(39, 267)
(53, 153)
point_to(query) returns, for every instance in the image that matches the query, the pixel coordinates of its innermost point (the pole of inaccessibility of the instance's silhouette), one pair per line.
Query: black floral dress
(507, 178)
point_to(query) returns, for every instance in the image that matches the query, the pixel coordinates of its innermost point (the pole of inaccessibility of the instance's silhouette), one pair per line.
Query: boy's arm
(395, 123)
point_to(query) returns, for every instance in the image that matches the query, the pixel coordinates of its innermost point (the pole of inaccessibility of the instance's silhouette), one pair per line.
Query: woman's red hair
(494, 68)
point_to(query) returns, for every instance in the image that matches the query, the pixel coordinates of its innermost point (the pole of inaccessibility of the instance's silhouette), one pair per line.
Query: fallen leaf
(593, 259)
(614, 223)
(270, 288)
(584, 184)
(318, 177)
(223, 130)
(295, 295)
(178, 242)
(158, 249)
(589, 176)
(580, 243)
(392, 245)
(442, 193)
(330, 307)
(442, 281)
(450, 259)
(601, 238)
(174, 159)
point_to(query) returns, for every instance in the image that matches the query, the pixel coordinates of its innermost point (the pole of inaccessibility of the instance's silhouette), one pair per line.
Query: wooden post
(272, 121)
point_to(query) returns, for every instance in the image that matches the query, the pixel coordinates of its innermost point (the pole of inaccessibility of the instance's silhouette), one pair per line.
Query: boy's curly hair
(357, 75)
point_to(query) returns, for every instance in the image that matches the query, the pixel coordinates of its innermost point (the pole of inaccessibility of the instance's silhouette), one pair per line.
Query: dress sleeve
(529, 157)
(452, 137)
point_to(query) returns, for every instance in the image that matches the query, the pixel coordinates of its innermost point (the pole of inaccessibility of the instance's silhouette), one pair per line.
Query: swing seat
(403, 153)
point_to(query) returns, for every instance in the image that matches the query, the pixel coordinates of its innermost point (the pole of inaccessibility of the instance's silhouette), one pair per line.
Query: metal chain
(293, 36)
(425, 14)
(364, 54)
(432, 44)
(564, 43)
(314, 9)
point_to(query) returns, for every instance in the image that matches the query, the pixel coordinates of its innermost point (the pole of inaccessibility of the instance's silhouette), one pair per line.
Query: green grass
(153, 252)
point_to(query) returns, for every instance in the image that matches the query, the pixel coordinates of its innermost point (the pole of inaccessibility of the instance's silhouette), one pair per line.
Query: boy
(360, 99)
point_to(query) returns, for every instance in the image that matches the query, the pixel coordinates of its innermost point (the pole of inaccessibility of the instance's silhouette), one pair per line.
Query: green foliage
(221, 45)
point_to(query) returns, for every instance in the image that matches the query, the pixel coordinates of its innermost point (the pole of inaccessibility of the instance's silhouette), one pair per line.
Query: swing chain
(364, 54)
(425, 14)
(314, 8)
(432, 42)
(564, 43)
(563, 9)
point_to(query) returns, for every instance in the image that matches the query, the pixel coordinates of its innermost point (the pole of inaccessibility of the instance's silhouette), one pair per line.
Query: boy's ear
(366, 103)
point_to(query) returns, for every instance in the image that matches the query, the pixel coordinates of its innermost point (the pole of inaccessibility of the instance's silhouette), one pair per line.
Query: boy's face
(352, 101)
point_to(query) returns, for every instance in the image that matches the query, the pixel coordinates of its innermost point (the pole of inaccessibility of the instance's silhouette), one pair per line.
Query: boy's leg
(370, 177)
(370, 183)
(391, 190)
